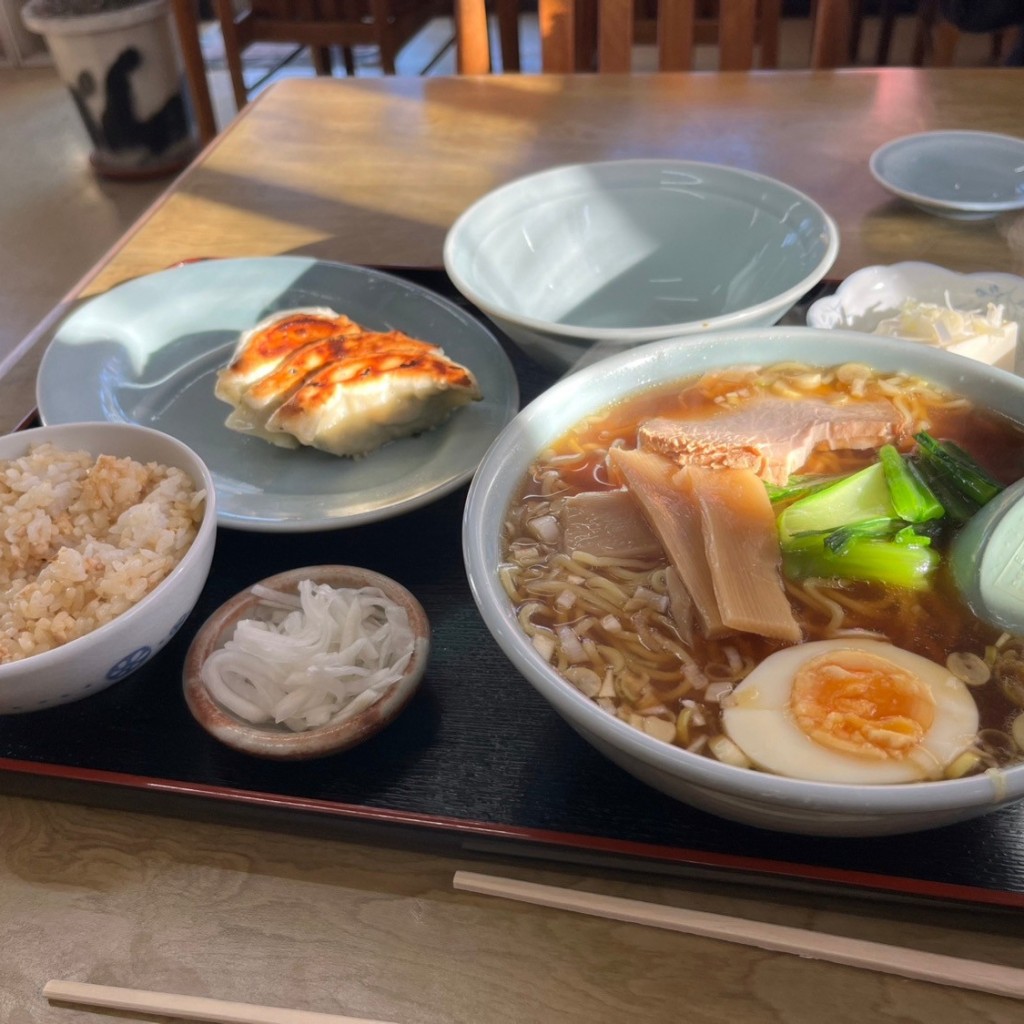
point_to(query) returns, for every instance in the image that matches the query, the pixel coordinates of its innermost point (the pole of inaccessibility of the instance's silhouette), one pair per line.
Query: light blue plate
(963, 175)
(148, 352)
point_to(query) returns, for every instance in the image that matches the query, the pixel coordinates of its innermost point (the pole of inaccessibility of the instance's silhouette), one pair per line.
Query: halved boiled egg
(853, 711)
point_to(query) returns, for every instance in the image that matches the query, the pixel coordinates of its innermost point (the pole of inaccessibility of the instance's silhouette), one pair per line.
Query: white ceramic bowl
(580, 261)
(873, 294)
(113, 651)
(740, 794)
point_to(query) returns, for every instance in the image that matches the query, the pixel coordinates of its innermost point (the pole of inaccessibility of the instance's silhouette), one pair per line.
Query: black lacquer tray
(477, 762)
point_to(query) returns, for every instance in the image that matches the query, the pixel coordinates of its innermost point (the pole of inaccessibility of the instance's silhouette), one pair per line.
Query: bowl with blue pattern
(873, 294)
(109, 532)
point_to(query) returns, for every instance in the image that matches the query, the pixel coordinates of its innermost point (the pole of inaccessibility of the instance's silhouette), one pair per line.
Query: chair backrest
(831, 28)
(587, 35)
(320, 24)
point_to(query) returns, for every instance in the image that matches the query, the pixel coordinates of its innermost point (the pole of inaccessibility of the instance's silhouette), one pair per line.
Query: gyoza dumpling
(385, 386)
(258, 402)
(272, 340)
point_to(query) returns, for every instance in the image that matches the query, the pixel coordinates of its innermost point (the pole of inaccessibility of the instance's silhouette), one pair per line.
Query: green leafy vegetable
(911, 496)
(797, 487)
(838, 541)
(862, 496)
(958, 507)
(862, 558)
(879, 524)
(914, 536)
(950, 462)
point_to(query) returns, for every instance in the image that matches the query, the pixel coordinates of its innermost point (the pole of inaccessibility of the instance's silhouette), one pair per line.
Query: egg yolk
(862, 704)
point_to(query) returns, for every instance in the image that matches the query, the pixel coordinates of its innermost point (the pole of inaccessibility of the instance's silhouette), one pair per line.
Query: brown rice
(83, 539)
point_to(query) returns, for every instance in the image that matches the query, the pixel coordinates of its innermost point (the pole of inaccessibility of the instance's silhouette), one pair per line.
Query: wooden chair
(718, 23)
(585, 35)
(831, 25)
(186, 20)
(320, 24)
(935, 39)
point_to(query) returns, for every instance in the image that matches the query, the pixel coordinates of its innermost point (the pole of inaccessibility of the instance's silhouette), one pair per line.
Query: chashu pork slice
(261, 349)
(383, 387)
(772, 437)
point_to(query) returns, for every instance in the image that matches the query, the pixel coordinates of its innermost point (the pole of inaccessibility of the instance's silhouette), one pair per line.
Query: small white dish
(873, 294)
(963, 175)
(148, 351)
(276, 742)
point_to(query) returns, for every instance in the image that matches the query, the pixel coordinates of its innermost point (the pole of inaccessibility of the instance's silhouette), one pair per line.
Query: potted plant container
(120, 61)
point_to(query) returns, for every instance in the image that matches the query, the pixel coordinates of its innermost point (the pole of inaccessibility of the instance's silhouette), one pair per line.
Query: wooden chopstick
(218, 1011)
(876, 956)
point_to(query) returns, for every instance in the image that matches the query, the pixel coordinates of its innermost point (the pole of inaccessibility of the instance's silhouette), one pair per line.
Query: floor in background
(57, 219)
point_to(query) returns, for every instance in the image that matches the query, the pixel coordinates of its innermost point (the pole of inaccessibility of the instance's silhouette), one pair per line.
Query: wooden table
(374, 172)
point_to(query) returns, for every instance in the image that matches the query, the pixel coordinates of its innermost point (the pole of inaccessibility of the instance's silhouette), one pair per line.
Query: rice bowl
(85, 539)
(108, 535)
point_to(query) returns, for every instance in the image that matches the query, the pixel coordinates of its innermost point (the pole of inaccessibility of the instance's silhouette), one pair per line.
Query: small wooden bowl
(278, 742)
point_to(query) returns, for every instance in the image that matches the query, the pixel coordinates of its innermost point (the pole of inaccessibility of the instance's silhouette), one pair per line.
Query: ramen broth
(618, 628)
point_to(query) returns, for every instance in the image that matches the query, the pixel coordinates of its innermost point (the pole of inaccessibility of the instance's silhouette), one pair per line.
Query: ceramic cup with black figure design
(119, 60)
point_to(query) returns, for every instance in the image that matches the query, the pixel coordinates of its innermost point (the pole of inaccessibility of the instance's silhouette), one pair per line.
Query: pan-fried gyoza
(314, 377)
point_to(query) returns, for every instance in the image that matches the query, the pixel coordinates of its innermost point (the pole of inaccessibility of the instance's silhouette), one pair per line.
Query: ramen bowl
(118, 647)
(582, 261)
(740, 794)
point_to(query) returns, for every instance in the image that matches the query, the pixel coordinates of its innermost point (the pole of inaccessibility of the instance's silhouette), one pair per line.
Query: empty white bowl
(581, 261)
(113, 651)
(740, 794)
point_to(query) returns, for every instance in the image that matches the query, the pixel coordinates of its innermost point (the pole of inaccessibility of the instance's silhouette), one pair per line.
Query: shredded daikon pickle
(942, 325)
(318, 657)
